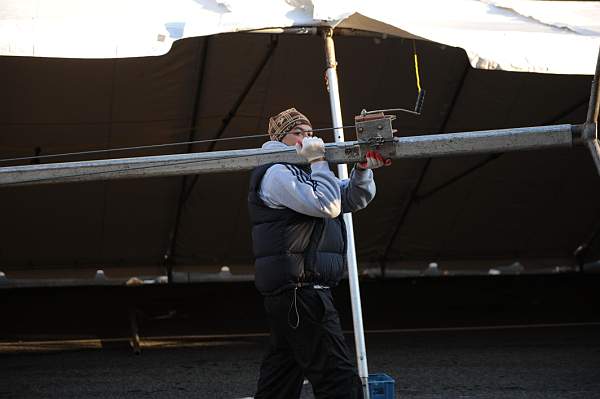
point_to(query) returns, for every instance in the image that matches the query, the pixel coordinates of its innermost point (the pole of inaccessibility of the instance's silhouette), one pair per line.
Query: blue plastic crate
(381, 386)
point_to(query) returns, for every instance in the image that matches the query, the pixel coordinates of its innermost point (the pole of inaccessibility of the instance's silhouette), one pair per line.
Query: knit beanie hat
(283, 122)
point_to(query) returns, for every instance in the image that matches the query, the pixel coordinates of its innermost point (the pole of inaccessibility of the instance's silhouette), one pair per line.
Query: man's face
(297, 134)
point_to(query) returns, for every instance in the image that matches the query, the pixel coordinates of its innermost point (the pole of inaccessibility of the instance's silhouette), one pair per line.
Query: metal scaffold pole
(426, 146)
(336, 118)
(591, 122)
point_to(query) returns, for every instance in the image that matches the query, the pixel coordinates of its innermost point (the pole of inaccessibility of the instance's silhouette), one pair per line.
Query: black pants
(306, 341)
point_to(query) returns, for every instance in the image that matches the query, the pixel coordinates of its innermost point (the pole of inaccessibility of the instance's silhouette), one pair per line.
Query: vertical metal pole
(336, 117)
(591, 123)
(594, 104)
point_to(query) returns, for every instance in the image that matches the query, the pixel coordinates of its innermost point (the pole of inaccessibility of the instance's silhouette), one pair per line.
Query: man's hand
(373, 160)
(311, 148)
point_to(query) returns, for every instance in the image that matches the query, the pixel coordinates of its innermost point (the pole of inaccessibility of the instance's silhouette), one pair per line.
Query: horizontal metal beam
(438, 145)
(487, 141)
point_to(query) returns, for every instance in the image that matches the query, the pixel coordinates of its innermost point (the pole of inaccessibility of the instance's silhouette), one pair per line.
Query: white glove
(374, 160)
(311, 148)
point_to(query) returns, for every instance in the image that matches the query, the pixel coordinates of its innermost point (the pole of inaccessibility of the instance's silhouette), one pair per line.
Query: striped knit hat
(283, 122)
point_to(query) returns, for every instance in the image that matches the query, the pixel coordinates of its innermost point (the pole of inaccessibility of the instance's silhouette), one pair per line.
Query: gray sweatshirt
(320, 193)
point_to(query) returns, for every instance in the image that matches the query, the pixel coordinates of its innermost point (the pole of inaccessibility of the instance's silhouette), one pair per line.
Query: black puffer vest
(292, 248)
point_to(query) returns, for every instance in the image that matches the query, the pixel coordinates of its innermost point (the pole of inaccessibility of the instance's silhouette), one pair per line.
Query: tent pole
(591, 123)
(594, 105)
(336, 118)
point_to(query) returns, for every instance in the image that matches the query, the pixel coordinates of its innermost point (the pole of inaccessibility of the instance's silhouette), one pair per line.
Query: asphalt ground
(524, 362)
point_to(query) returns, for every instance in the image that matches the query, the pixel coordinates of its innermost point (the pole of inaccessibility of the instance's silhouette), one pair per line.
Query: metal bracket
(374, 132)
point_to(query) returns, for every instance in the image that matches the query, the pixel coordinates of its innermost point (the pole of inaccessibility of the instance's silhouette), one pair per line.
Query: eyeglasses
(298, 131)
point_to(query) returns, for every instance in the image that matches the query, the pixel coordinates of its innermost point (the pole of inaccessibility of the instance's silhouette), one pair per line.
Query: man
(299, 241)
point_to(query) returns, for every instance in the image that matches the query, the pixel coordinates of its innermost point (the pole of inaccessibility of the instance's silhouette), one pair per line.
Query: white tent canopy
(514, 35)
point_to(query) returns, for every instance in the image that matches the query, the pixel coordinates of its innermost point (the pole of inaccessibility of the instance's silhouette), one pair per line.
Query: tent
(192, 78)
(539, 208)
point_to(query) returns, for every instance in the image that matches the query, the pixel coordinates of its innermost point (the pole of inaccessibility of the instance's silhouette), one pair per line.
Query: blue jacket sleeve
(316, 194)
(320, 194)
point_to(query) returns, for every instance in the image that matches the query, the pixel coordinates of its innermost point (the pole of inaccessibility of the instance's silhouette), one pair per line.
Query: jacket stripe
(302, 176)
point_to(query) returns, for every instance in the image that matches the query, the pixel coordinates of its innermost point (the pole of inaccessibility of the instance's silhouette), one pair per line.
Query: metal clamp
(374, 132)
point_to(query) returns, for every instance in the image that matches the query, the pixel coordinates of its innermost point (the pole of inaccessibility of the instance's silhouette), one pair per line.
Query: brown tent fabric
(506, 207)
